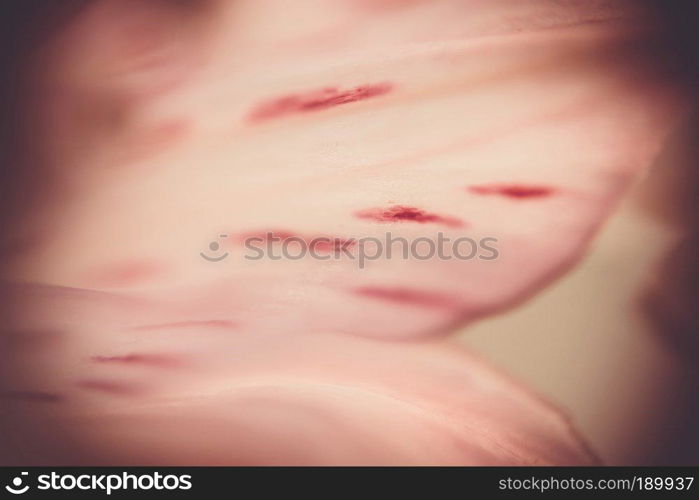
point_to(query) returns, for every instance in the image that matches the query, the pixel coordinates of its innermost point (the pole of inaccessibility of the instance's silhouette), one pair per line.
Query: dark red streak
(109, 387)
(140, 359)
(317, 100)
(32, 396)
(401, 213)
(409, 296)
(513, 190)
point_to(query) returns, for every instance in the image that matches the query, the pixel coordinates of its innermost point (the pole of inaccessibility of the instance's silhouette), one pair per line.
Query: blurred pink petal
(240, 398)
(165, 127)
(518, 122)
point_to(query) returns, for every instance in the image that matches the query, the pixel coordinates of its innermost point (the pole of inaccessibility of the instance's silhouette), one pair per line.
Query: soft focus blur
(133, 136)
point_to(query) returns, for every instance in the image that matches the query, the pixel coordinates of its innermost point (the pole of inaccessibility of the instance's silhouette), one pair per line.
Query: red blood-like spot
(410, 297)
(401, 213)
(517, 191)
(32, 396)
(316, 100)
(158, 360)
